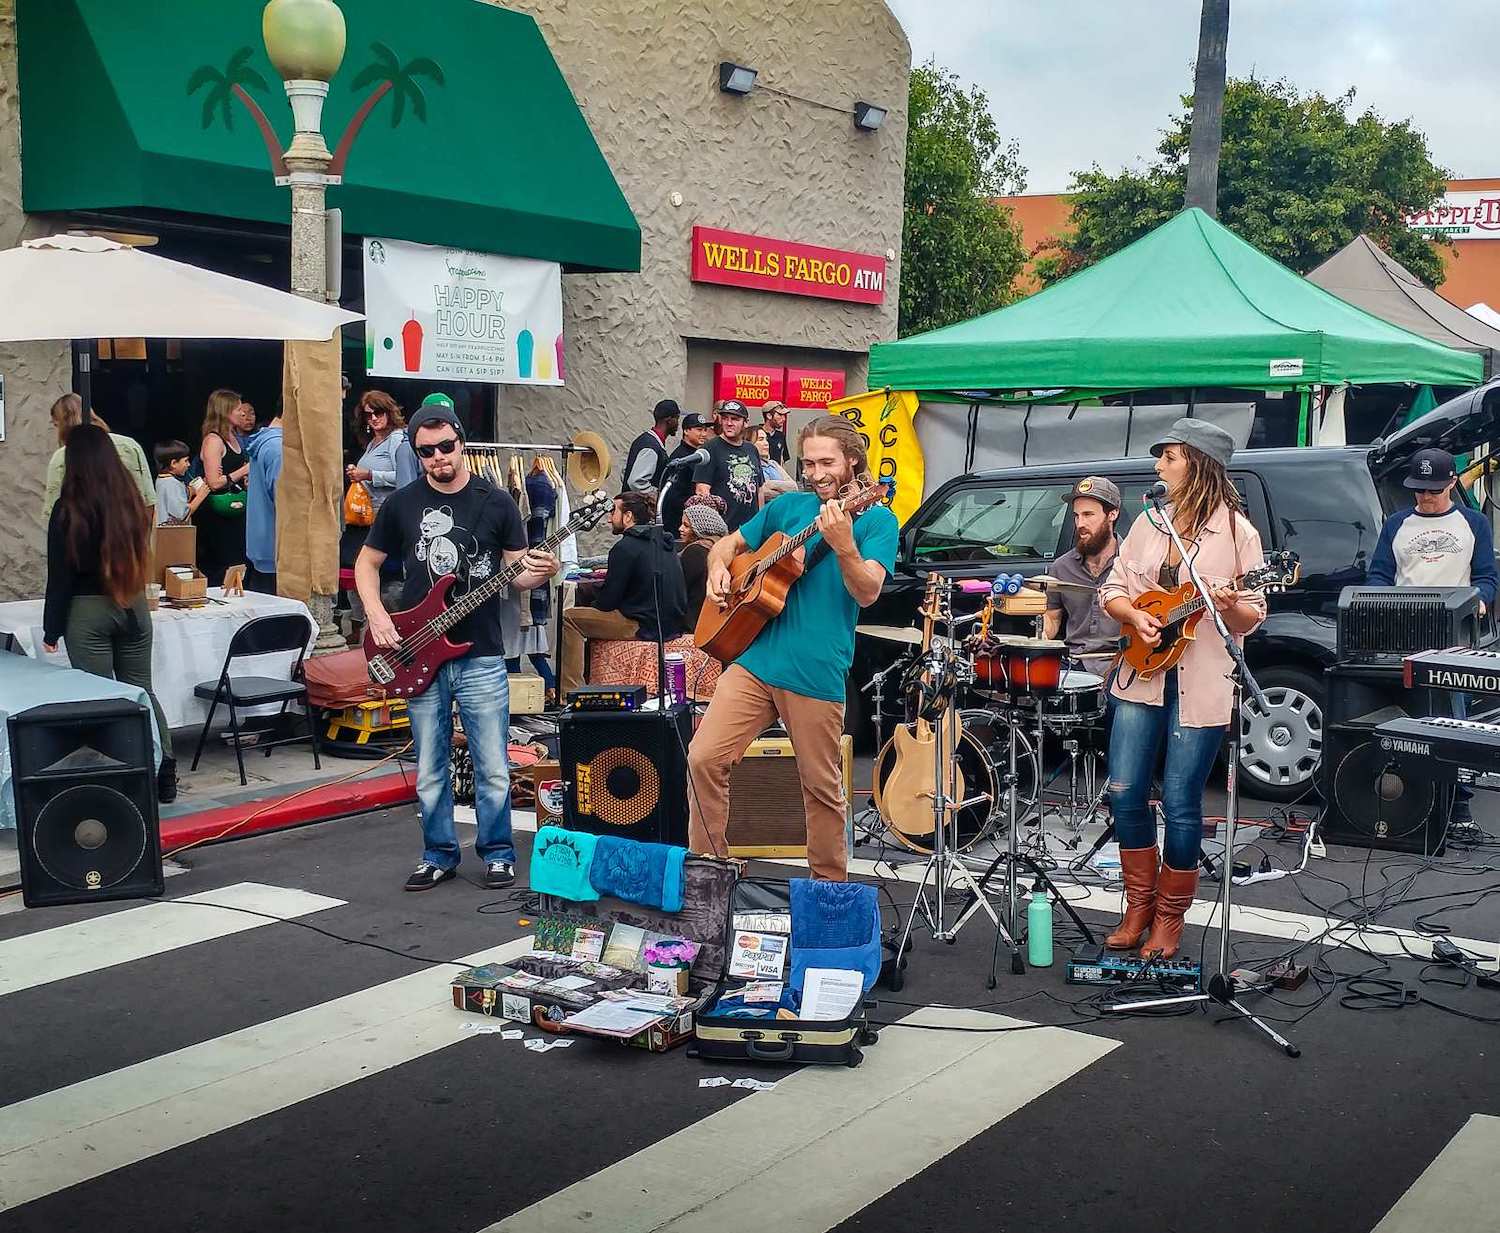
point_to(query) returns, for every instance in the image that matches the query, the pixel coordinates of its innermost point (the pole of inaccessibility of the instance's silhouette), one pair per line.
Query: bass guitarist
(1187, 708)
(797, 665)
(450, 521)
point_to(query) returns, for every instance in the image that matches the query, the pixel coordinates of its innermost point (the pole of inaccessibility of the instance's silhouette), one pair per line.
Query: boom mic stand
(1221, 988)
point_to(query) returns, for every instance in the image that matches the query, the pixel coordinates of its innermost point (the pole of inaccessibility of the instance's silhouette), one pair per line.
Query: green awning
(1188, 305)
(475, 142)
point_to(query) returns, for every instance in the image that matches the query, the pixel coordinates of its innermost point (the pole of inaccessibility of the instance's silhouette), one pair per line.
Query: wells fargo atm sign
(735, 259)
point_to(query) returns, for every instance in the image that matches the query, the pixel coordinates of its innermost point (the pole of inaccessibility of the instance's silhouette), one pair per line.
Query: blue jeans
(1134, 741)
(481, 688)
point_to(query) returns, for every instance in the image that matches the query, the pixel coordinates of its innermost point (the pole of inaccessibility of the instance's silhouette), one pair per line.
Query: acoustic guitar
(760, 581)
(905, 797)
(1180, 610)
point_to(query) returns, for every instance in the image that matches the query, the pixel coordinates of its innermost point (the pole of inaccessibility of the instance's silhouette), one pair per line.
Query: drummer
(1073, 613)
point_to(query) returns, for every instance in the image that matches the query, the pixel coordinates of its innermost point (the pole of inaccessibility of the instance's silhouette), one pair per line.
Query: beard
(1089, 545)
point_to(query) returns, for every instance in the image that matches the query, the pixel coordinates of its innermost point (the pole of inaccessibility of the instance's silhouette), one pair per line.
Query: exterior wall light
(735, 78)
(868, 116)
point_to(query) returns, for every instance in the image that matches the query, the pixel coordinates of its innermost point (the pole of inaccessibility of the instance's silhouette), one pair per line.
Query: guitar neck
(854, 508)
(486, 591)
(1197, 603)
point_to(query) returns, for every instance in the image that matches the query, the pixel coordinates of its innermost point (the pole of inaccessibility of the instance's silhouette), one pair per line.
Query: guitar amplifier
(1385, 624)
(766, 816)
(625, 772)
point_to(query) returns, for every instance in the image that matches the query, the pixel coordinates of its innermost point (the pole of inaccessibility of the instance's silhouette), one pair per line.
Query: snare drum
(1020, 665)
(1079, 700)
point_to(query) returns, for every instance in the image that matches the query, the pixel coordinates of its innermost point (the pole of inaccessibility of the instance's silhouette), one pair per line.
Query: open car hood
(1459, 426)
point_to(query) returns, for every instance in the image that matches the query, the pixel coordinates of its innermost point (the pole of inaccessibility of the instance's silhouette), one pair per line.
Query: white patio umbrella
(80, 286)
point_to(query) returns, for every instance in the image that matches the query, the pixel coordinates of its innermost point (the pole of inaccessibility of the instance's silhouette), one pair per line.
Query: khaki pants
(579, 625)
(742, 708)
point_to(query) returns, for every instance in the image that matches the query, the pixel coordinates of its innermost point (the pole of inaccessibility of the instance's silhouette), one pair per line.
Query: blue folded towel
(649, 874)
(850, 942)
(560, 863)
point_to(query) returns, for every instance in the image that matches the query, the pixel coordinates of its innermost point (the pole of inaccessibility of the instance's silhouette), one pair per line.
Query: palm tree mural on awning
(229, 83)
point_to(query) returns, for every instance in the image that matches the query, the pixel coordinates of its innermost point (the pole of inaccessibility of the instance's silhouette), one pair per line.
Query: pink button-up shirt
(1205, 694)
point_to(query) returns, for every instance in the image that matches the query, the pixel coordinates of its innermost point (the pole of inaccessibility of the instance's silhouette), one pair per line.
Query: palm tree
(230, 84)
(393, 78)
(1207, 135)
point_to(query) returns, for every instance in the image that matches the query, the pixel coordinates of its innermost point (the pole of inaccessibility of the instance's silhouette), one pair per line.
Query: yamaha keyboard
(1457, 669)
(1467, 743)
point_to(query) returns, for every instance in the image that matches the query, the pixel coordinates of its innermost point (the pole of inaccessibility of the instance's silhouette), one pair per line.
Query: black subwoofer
(85, 788)
(626, 773)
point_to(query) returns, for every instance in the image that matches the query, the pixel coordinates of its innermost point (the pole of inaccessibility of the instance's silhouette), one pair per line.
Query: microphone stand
(1221, 988)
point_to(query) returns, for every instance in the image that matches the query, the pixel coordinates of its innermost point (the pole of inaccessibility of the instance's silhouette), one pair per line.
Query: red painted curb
(292, 809)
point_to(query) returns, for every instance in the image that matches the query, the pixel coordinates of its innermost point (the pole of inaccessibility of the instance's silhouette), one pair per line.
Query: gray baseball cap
(1096, 486)
(1201, 435)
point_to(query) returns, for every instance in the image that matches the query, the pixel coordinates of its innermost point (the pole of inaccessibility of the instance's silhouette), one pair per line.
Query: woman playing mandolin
(1190, 704)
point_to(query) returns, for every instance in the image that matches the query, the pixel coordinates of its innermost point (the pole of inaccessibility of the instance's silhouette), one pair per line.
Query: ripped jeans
(1135, 739)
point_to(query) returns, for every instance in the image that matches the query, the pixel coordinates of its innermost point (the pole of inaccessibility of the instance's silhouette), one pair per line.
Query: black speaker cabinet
(1371, 800)
(85, 802)
(626, 773)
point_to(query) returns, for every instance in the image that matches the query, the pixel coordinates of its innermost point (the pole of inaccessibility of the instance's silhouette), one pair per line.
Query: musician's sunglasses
(446, 446)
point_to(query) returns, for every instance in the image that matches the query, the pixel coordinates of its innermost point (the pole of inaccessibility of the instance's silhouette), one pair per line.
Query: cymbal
(589, 469)
(898, 633)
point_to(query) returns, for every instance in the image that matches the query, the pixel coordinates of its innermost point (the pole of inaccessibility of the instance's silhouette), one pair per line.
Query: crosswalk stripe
(101, 1124)
(152, 929)
(825, 1143)
(1457, 1190)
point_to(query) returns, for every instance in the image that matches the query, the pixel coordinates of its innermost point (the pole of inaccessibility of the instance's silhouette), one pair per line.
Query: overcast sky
(1085, 81)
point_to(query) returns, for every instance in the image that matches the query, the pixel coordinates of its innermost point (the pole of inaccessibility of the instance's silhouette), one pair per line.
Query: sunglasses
(376, 415)
(437, 447)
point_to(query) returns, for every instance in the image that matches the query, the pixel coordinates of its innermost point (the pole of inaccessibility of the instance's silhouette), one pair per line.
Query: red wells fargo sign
(761, 263)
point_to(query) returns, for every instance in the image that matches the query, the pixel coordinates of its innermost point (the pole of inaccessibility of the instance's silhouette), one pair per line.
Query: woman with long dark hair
(1189, 707)
(98, 544)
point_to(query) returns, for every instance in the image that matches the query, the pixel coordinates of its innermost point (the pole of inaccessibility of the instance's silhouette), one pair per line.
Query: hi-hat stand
(1221, 987)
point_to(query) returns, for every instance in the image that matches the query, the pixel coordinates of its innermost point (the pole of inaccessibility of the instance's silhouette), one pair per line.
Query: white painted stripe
(1457, 1190)
(60, 1138)
(152, 929)
(1264, 922)
(826, 1142)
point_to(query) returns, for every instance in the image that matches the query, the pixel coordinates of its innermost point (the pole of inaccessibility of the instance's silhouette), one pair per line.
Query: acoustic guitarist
(1188, 707)
(797, 665)
(454, 522)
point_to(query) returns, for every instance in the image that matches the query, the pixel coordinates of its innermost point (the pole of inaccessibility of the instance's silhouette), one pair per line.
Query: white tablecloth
(188, 648)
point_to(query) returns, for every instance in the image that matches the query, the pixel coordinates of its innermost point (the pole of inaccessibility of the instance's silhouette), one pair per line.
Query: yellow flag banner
(884, 420)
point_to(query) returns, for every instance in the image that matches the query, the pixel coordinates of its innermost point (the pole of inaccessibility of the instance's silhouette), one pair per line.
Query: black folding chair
(263, 636)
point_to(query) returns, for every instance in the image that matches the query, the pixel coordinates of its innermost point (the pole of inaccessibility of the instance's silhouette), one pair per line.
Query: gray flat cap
(1201, 435)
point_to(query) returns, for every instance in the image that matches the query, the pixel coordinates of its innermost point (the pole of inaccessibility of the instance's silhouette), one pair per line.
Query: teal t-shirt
(809, 647)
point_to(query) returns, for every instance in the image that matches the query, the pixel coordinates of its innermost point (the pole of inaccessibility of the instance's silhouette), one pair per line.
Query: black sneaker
(499, 874)
(425, 876)
(166, 781)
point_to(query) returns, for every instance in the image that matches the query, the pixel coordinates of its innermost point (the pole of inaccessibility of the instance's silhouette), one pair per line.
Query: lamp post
(305, 42)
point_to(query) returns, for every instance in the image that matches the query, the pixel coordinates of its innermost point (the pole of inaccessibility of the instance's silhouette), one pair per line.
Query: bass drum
(976, 754)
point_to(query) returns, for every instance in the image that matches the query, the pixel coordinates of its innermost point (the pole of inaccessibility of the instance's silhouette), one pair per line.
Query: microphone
(694, 459)
(1156, 492)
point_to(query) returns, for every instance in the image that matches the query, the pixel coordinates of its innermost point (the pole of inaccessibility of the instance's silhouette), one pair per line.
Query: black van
(1326, 504)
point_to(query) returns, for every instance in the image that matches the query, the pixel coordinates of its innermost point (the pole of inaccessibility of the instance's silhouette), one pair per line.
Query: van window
(994, 523)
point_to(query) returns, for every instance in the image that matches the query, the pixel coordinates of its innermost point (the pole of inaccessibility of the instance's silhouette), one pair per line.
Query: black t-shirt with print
(439, 533)
(732, 473)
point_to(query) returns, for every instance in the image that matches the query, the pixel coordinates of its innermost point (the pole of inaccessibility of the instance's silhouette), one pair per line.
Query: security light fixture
(868, 116)
(735, 78)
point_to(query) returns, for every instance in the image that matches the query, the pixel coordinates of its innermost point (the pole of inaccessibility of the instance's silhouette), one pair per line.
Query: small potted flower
(667, 964)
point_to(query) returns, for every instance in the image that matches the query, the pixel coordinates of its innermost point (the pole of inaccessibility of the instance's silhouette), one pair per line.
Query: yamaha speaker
(85, 802)
(766, 814)
(1370, 799)
(625, 773)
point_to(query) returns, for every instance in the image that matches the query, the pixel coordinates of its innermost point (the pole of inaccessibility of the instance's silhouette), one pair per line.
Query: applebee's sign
(453, 315)
(1460, 216)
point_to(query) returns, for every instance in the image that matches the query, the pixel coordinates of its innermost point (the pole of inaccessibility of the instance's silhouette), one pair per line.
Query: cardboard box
(174, 587)
(527, 694)
(172, 546)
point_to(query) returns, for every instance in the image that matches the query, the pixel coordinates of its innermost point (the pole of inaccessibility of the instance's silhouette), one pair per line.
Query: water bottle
(1039, 928)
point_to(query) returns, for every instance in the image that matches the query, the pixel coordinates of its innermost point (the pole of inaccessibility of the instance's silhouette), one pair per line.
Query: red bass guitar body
(404, 672)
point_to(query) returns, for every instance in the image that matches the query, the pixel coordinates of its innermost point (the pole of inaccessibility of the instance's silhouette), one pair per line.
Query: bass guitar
(760, 581)
(1180, 610)
(904, 797)
(407, 669)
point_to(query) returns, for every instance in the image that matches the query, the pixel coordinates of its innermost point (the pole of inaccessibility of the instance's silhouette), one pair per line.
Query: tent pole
(1129, 420)
(1302, 416)
(85, 378)
(972, 435)
(1025, 433)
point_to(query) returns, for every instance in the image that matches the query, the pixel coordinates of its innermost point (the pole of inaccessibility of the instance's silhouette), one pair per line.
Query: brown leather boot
(1174, 896)
(1139, 867)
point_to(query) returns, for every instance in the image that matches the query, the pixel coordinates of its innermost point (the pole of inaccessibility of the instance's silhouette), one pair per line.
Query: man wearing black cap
(733, 470)
(648, 452)
(697, 431)
(1439, 543)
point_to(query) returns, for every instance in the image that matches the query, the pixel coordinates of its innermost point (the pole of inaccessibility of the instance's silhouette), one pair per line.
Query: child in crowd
(176, 499)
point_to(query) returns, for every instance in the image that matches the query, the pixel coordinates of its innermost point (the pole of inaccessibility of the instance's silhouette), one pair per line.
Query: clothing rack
(527, 445)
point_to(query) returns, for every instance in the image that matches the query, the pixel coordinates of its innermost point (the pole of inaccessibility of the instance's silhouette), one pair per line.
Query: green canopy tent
(1189, 305)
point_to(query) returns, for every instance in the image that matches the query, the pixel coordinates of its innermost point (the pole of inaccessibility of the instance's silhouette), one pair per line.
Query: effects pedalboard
(1097, 966)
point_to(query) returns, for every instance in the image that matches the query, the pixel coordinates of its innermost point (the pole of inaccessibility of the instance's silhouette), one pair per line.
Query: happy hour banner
(454, 315)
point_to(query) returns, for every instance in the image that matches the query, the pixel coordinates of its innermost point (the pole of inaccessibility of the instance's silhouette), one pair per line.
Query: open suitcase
(796, 1041)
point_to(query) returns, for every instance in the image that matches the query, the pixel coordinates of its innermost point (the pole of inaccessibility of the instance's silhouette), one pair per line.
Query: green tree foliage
(960, 253)
(1299, 177)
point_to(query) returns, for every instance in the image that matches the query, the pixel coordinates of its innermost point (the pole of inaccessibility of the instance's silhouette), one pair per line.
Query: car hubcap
(1281, 747)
